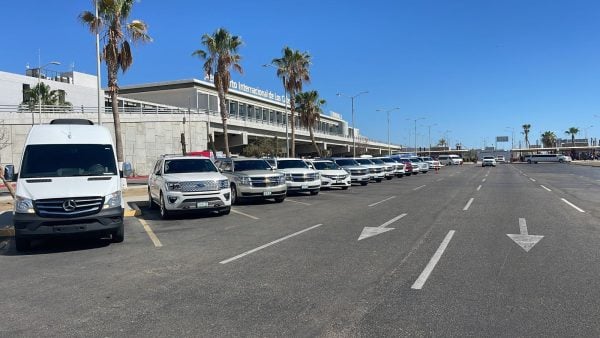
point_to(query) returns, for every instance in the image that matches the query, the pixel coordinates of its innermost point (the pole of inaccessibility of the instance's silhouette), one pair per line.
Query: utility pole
(353, 128)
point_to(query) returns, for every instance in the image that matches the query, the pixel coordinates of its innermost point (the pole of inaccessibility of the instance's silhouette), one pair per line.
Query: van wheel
(152, 205)
(234, 198)
(119, 235)
(164, 213)
(22, 244)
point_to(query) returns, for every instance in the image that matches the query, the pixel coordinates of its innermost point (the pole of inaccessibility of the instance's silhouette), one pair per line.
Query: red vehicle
(408, 166)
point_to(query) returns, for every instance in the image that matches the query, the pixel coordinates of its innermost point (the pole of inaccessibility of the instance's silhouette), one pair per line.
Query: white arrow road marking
(468, 204)
(267, 245)
(573, 205)
(385, 200)
(372, 231)
(418, 284)
(479, 187)
(545, 188)
(525, 240)
(417, 188)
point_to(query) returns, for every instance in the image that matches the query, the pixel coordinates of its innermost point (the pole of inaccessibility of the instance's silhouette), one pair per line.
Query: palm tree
(526, 128)
(442, 142)
(293, 68)
(309, 105)
(549, 139)
(572, 131)
(221, 54)
(42, 94)
(116, 33)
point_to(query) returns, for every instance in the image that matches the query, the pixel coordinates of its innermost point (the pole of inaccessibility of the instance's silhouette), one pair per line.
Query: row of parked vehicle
(185, 183)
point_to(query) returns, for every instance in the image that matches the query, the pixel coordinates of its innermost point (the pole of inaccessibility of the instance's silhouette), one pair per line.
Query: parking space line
(573, 205)
(267, 245)
(417, 188)
(385, 200)
(483, 180)
(545, 187)
(532, 180)
(479, 187)
(468, 204)
(439, 179)
(243, 214)
(294, 201)
(150, 233)
(418, 284)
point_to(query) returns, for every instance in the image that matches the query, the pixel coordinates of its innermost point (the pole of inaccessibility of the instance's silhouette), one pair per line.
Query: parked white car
(398, 166)
(422, 165)
(433, 164)
(358, 173)
(332, 175)
(298, 176)
(388, 168)
(376, 171)
(187, 183)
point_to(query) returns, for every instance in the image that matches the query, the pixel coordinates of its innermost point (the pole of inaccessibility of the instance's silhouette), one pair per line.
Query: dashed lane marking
(532, 180)
(418, 284)
(268, 245)
(572, 205)
(479, 187)
(545, 187)
(385, 200)
(243, 214)
(468, 204)
(421, 187)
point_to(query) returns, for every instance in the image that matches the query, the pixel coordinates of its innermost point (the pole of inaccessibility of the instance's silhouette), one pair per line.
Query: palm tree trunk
(312, 138)
(224, 116)
(117, 123)
(573, 139)
(292, 115)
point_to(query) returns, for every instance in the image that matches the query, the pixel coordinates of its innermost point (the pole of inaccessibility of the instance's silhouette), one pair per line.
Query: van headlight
(24, 205)
(223, 184)
(173, 186)
(113, 200)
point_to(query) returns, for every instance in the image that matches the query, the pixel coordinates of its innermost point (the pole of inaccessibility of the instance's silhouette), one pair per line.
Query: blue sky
(471, 67)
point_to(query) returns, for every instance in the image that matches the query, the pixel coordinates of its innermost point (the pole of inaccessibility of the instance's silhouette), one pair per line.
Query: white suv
(186, 183)
(332, 175)
(298, 176)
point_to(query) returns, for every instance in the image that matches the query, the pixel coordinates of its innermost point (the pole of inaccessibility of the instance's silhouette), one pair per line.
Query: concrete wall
(145, 138)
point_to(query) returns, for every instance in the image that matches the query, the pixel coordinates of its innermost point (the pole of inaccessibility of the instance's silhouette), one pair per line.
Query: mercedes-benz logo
(69, 205)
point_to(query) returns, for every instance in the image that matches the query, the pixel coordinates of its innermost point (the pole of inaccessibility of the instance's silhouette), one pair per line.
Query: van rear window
(67, 160)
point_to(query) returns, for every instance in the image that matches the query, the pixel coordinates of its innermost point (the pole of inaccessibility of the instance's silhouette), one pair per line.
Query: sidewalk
(589, 163)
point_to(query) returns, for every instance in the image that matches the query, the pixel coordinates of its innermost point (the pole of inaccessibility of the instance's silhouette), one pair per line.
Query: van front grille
(68, 207)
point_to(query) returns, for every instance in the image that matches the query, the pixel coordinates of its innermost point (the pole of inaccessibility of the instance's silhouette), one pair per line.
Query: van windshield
(68, 160)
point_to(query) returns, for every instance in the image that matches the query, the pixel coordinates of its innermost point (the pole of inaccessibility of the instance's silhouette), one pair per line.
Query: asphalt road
(447, 267)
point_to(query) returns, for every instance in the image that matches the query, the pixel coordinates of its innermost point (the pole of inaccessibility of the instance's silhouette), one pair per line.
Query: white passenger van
(450, 159)
(535, 158)
(68, 183)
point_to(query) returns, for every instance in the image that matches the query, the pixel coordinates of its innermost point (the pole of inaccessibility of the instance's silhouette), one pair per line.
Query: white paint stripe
(479, 187)
(267, 245)
(391, 221)
(523, 226)
(525, 175)
(290, 200)
(468, 204)
(439, 179)
(418, 285)
(573, 205)
(532, 180)
(243, 214)
(417, 188)
(150, 233)
(483, 180)
(545, 187)
(385, 200)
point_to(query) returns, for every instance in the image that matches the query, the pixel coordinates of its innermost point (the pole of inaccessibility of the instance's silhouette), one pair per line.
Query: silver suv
(186, 183)
(252, 178)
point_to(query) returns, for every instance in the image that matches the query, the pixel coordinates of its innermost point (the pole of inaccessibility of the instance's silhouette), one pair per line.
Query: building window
(243, 114)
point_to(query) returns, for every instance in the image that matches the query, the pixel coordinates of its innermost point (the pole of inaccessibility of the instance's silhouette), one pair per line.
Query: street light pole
(388, 127)
(429, 137)
(287, 137)
(353, 128)
(417, 119)
(98, 80)
(40, 89)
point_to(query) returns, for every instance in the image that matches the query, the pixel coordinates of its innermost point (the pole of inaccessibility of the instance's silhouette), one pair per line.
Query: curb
(135, 210)
(7, 232)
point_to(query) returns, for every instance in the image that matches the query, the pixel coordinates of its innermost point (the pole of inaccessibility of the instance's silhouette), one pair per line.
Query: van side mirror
(15, 177)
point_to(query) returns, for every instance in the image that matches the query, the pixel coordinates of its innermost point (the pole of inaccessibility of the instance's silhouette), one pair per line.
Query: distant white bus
(535, 158)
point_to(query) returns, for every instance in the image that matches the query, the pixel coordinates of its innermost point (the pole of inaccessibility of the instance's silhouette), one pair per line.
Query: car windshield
(244, 165)
(488, 158)
(364, 161)
(197, 165)
(426, 159)
(326, 165)
(387, 160)
(67, 160)
(415, 160)
(291, 164)
(377, 161)
(346, 162)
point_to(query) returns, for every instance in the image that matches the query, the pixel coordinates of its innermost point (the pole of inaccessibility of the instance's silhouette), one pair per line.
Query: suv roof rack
(73, 121)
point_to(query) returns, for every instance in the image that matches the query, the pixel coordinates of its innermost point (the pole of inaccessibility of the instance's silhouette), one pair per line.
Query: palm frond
(125, 57)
